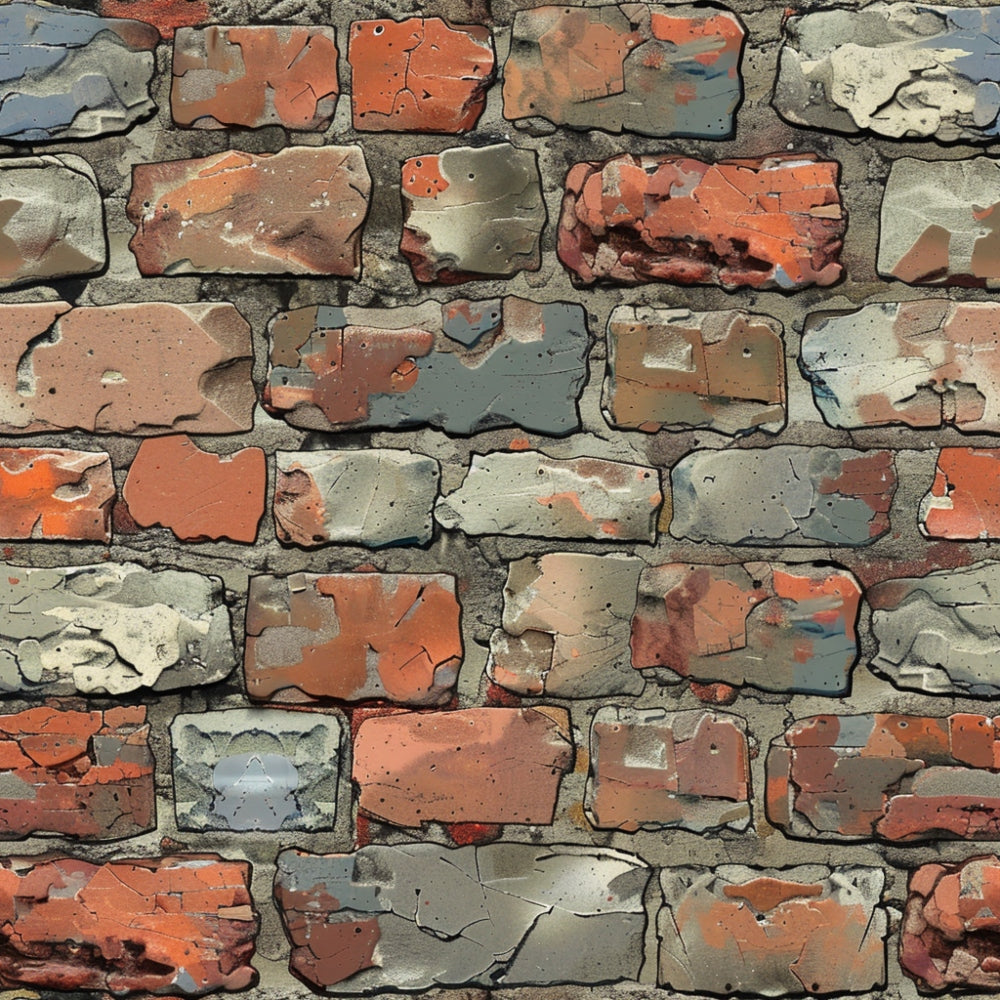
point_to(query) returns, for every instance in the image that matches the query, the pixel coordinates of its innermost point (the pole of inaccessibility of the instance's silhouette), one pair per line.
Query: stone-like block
(651, 769)
(463, 366)
(673, 369)
(68, 74)
(183, 925)
(373, 497)
(76, 774)
(255, 76)
(940, 633)
(197, 494)
(528, 493)
(773, 626)
(472, 212)
(786, 932)
(775, 222)
(493, 916)
(419, 74)
(113, 628)
(659, 71)
(936, 227)
(964, 499)
(353, 637)
(255, 769)
(145, 368)
(901, 70)
(56, 494)
(566, 626)
(297, 211)
(898, 778)
(51, 219)
(785, 495)
(471, 765)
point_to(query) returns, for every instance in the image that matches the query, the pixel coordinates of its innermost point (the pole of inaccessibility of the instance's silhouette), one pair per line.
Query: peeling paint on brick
(963, 502)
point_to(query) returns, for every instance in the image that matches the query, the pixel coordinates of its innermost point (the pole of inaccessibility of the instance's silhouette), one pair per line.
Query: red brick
(166, 15)
(964, 499)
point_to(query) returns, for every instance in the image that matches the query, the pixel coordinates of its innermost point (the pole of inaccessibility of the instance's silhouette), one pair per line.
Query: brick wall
(501, 503)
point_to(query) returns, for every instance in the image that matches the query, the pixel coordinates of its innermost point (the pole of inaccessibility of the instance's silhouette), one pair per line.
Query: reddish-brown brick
(964, 499)
(166, 15)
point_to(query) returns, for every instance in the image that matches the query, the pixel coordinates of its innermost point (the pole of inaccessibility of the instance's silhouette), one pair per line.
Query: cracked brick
(962, 502)
(165, 15)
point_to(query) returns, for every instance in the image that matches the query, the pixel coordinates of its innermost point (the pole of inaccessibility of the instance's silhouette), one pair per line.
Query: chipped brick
(56, 494)
(566, 626)
(902, 70)
(788, 494)
(674, 369)
(198, 495)
(77, 774)
(472, 213)
(374, 497)
(963, 501)
(775, 222)
(462, 366)
(490, 916)
(787, 932)
(297, 211)
(255, 76)
(255, 769)
(528, 493)
(51, 219)
(925, 363)
(642, 68)
(773, 626)
(165, 15)
(353, 637)
(419, 75)
(144, 368)
(899, 778)
(651, 769)
(940, 633)
(456, 767)
(933, 231)
(112, 628)
(68, 74)
(181, 925)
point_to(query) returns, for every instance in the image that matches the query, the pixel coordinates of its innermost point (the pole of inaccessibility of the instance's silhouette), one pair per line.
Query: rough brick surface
(165, 15)
(353, 637)
(963, 501)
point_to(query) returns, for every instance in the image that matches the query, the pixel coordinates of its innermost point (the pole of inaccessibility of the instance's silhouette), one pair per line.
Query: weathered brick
(774, 626)
(672, 369)
(68, 74)
(197, 494)
(566, 626)
(144, 368)
(181, 925)
(472, 212)
(493, 916)
(940, 633)
(373, 497)
(651, 769)
(932, 230)
(643, 68)
(255, 76)
(456, 767)
(775, 222)
(902, 70)
(925, 363)
(354, 637)
(297, 211)
(112, 628)
(419, 74)
(787, 932)
(56, 493)
(788, 494)
(77, 774)
(165, 15)
(891, 777)
(462, 366)
(949, 937)
(964, 499)
(255, 769)
(51, 219)
(528, 493)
